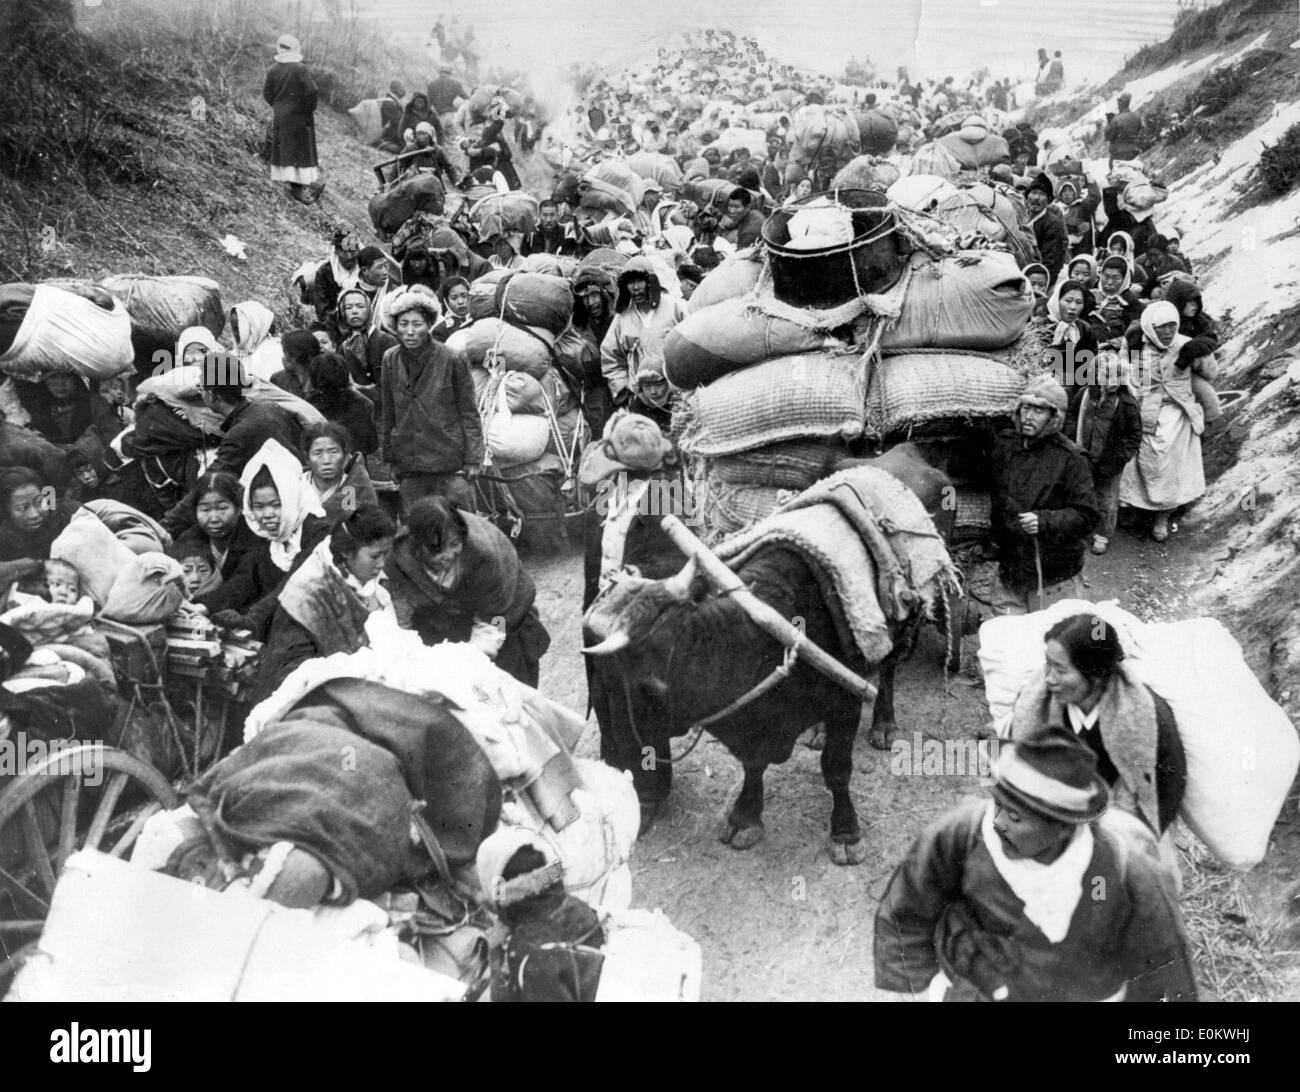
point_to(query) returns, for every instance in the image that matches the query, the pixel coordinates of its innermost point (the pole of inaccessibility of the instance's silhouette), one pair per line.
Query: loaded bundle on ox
(811, 360)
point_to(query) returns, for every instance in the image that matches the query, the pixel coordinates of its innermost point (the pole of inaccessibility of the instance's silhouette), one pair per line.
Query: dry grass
(1235, 950)
(1194, 27)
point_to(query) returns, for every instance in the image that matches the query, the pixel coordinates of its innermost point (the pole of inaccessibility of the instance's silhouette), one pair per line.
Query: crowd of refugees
(296, 516)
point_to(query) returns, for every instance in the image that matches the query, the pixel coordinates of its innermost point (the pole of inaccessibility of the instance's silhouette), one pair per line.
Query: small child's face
(1039, 283)
(196, 570)
(65, 587)
(87, 475)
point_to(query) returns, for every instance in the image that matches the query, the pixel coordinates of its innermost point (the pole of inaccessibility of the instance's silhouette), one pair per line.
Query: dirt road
(780, 921)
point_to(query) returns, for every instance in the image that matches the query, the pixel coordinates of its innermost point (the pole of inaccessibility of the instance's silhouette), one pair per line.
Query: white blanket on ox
(872, 546)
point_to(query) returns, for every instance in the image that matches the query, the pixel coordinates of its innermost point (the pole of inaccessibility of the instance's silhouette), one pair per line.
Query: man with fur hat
(1044, 508)
(632, 353)
(430, 430)
(1033, 895)
(1048, 225)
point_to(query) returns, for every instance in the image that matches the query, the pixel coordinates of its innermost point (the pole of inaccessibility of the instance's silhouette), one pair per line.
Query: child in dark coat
(1105, 422)
(552, 948)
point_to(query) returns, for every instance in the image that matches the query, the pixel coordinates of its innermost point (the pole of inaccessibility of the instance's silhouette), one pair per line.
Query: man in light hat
(1044, 508)
(1032, 896)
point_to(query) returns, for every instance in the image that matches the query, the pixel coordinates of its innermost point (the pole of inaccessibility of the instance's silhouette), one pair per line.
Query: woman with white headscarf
(290, 91)
(286, 514)
(1167, 472)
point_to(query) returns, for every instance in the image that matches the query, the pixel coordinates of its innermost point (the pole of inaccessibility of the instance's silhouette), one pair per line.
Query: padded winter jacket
(429, 421)
(1051, 477)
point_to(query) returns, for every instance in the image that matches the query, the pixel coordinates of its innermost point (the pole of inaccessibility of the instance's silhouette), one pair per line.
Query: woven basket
(974, 517)
(912, 388)
(812, 395)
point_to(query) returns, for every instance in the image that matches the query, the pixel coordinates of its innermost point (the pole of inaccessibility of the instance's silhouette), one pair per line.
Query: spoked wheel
(48, 814)
(952, 623)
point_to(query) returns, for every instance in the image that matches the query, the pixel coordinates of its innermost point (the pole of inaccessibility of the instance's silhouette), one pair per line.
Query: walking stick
(1038, 568)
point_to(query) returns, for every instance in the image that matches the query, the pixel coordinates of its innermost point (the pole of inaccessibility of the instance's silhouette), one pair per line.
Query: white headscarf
(288, 49)
(1160, 313)
(297, 500)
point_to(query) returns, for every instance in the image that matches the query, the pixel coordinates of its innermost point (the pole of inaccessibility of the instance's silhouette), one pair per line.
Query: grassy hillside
(129, 144)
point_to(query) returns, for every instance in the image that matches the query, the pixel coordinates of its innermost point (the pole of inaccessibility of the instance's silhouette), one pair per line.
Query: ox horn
(615, 642)
(679, 586)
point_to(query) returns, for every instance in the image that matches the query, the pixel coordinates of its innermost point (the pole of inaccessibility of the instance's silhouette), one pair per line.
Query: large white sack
(515, 438)
(734, 277)
(1242, 750)
(65, 332)
(1011, 649)
(367, 116)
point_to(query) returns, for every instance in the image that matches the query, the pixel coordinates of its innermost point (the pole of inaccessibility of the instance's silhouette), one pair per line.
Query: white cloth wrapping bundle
(65, 332)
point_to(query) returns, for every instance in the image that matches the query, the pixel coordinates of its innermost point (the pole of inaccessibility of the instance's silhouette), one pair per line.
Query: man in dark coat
(446, 91)
(998, 899)
(1048, 225)
(549, 235)
(246, 425)
(391, 109)
(429, 424)
(594, 293)
(290, 91)
(1044, 507)
(1124, 133)
(746, 221)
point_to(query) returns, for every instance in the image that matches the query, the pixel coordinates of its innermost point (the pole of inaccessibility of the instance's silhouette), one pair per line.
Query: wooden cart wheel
(76, 816)
(953, 624)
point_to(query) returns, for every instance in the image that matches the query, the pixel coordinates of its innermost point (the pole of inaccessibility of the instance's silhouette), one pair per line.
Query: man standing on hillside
(1124, 133)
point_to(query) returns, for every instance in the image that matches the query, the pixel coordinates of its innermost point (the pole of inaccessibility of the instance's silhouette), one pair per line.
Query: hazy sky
(932, 37)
